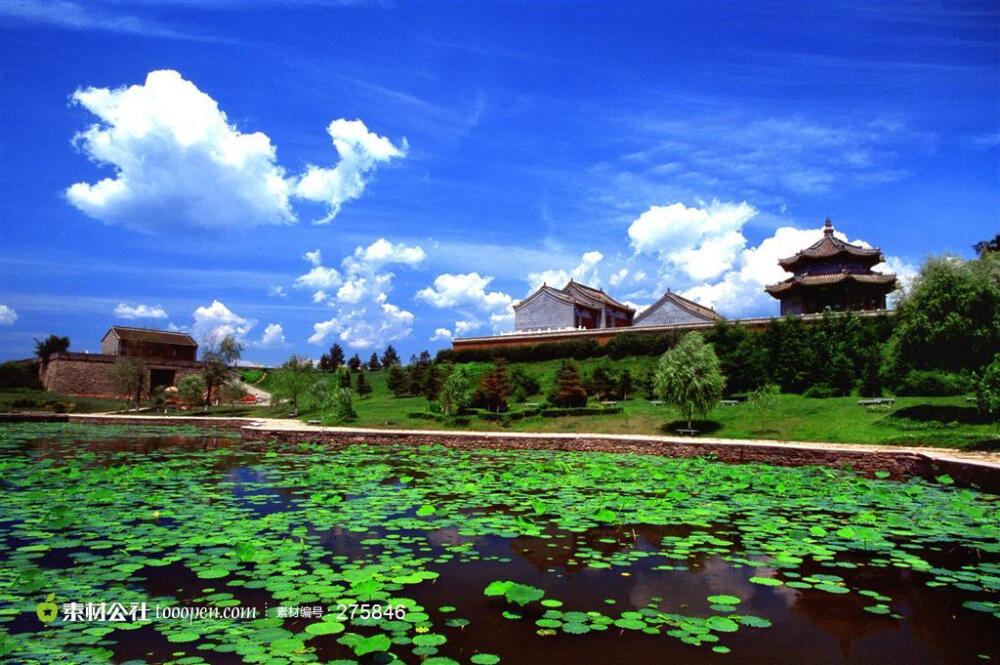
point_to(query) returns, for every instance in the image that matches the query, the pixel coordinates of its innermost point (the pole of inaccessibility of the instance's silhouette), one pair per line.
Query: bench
(313, 422)
(656, 402)
(689, 432)
(730, 402)
(876, 402)
(609, 403)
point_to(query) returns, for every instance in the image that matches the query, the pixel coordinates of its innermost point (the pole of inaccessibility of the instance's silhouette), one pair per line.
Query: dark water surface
(618, 555)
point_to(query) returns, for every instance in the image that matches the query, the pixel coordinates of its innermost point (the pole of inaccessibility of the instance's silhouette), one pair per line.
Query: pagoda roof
(597, 295)
(688, 305)
(829, 246)
(887, 281)
(576, 294)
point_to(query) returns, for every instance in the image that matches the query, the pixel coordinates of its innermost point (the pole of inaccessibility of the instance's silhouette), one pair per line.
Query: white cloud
(468, 325)
(277, 291)
(360, 152)
(618, 277)
(464, 290)
(124, 311)
(585, 272)
(314, 257)
(364, 317)
(740, 291)
(177, 160)
(382, 252)
(701, 242)
(273, 335)
(7, 315)
(366, 327)
(215, 321)
(319, 278)
(441, 334)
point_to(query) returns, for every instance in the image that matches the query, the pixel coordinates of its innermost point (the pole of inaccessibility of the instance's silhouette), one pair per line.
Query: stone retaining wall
(900, 464)
(90, 373)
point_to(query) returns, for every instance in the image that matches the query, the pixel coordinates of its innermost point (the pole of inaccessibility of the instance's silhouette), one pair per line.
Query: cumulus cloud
(360, 152)
(124, 311)
(441, 334)
(7, 316)
(178, 160)
(319, 277)
(585, 271)
(277, 291)
(314, 257)
(701, 242)
(468, 293)
(273, 335)
(740, 291)
(363, 315)
(215, 321)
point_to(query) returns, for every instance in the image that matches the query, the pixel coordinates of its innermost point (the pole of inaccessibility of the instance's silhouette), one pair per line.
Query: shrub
(931, 383)
(821, 390)
(581, 411)
(988, 390)
(20, 374)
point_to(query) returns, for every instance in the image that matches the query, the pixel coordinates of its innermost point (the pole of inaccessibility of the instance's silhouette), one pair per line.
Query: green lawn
(949, 422)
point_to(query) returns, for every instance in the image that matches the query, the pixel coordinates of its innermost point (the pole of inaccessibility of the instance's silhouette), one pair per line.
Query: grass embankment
(949, 422)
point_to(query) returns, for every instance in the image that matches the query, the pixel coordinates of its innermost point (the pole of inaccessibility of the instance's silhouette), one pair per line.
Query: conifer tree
(569, 391)
(396, 381)
(363, 387)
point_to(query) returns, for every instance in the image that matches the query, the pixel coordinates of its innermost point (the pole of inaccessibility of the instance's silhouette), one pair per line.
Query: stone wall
(544, 311)
(90, 373)
(666, 314)
(900, 464)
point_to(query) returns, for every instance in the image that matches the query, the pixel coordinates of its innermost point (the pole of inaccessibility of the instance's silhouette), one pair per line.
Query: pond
(431, 555)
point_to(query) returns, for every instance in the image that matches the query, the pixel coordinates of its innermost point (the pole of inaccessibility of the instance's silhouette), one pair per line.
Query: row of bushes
(549, 412)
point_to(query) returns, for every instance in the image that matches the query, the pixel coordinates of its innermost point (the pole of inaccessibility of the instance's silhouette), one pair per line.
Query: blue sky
(301, 174)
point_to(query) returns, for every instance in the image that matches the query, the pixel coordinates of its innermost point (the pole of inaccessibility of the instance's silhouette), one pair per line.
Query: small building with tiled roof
(832, 274)
(145, 343)
(574, 306)
(673, 309)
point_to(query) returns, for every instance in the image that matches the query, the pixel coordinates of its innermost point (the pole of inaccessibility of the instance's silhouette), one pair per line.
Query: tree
(569, 390)
(495, 387)
(390, 357)
(364, 388)
(950, 318)
(217, 357)
(625, 385)
(343, 405)
(986, 246)
(988, 390)
(373, 363)
(789, 356)
(128, 376)
(432, 382)
(416, 376)
(454, 392)
(354, 364)
(191, 389)
(329, 362)
(396, 381)
(871, 379)
(688, 377)
(233, 391)
(602, 381)
(761, 403)
(51, 344)
(293, 379)
(343, 377)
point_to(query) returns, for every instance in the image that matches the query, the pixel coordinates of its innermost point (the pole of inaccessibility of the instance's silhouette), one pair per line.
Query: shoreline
(980, 470)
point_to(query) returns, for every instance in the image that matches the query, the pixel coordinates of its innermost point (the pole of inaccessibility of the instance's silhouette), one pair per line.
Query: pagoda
(832, 275)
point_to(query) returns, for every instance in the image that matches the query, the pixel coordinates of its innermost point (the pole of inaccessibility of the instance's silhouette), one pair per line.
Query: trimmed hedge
(579, 349)
(582, 411)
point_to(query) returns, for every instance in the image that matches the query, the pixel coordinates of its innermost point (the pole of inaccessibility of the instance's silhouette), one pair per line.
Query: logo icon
(48, 610)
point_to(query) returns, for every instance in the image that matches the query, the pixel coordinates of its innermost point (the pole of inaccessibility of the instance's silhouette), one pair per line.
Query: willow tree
(688, 377)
